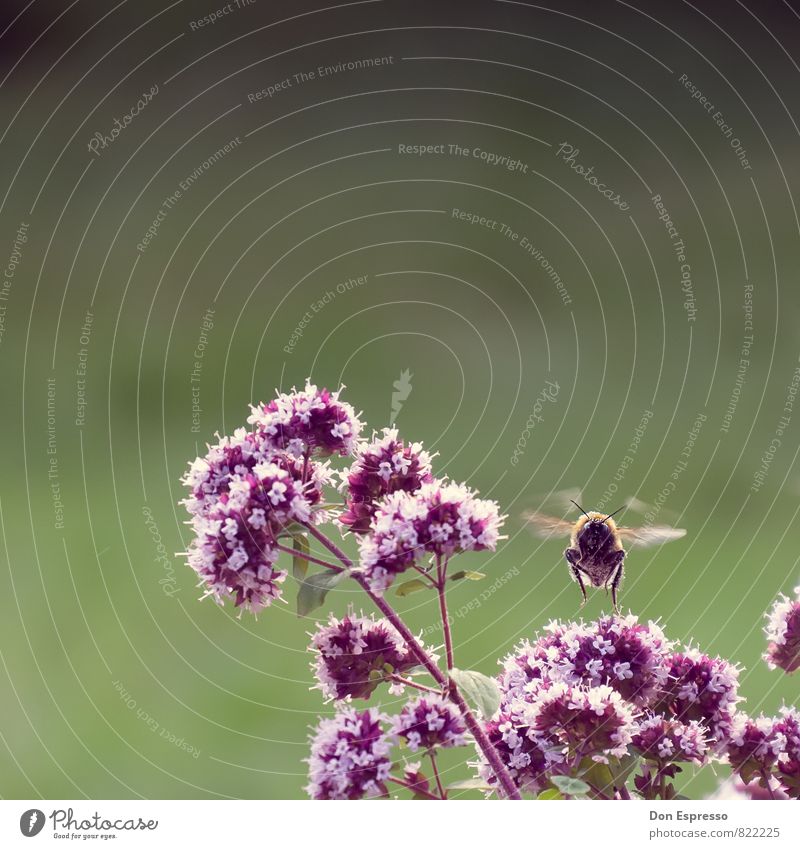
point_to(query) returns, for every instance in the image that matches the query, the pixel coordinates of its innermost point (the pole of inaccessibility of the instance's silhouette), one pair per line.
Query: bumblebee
(596, 552)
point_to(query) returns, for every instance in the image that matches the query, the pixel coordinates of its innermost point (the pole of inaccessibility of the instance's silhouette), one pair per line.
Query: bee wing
(563, 500)
(547, 526)
(650, 535)
(636, 510)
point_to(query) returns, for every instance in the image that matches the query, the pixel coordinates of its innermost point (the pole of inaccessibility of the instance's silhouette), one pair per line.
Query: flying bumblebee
(596, 551)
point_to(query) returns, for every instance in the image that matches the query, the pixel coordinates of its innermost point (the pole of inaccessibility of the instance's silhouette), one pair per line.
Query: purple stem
(441, 580)
(449, 686)
(409, 786)
(439, 785)
(424, 575)
(407, 682)
(309, 557)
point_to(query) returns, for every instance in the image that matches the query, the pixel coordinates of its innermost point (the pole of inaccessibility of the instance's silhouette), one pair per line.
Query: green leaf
(550, 793)
(570, 786)
(314, 589)
(413, 586)
(481, 690)
(470, 576)
(601, 778)
(470, 784)
(621, 769)
(747, 772)
(300, 564)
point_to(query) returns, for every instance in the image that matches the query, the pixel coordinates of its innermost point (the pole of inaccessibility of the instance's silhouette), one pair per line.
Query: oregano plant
(609, 709)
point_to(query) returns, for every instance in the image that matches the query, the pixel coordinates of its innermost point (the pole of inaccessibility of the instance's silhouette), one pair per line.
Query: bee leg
(573, 555)
(616, 578)
(577, 575)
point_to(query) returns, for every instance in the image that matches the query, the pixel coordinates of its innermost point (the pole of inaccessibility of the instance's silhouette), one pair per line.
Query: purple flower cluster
(237, 517)
(243, 494)
(310, 420)
(664, 741)
(544, 734)
(753, 746)
(788, 765)
(429, 722)
(618, 651)
(209, 477)
(236, 560)
(595, 689)
(350, 752)
(524, 753)
(355, 653)
(783, 634)
(441, 518)
(382, 466)
(593, 722)
(701, 688)
(764, 754)
(233, 460)
(349, 756)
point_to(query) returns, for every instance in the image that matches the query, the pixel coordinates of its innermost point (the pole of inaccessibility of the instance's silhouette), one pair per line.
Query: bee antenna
(581, 508)
(614, 513)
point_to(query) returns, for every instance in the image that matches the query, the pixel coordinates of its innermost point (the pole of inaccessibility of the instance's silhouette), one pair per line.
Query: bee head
(595, 528)
(595, 531)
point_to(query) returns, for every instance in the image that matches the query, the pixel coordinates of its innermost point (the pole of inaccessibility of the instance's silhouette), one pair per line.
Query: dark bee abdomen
(598, 568)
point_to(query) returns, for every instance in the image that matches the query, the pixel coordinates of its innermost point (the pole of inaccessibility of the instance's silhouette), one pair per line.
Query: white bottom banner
(341, 825)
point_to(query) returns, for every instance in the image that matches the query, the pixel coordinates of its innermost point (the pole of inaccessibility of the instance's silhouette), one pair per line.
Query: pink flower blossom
(703, 689)
(308, 420)
(664, 740)
(440, 518)
(355, 653)
(382, 466)
(349, 756)
(429, 722)
(753, 746)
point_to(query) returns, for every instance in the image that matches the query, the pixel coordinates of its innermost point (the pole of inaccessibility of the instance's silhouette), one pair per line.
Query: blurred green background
(115, 680)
